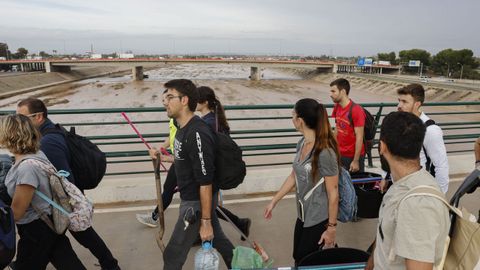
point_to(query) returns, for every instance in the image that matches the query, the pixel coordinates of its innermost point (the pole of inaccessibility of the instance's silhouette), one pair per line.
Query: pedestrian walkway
(135, 247)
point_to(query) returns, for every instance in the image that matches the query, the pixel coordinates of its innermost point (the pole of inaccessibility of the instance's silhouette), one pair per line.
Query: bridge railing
(264, 132)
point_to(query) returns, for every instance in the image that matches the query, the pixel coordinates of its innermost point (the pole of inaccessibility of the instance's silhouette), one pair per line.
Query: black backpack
(7, 235)
(87, 162)
(230, 169)
(369, 129)
(6, 163)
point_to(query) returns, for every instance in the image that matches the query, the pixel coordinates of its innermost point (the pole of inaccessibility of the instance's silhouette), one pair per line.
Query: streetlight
(461, 70)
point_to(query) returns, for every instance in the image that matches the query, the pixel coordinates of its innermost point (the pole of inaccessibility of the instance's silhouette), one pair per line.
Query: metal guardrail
(265, 132)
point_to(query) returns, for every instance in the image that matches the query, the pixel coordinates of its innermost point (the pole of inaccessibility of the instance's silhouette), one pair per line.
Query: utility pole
(421, 69)
(461, 70)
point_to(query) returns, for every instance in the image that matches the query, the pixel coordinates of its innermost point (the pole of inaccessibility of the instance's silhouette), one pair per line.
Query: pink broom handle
(136, 130)
(140, 136)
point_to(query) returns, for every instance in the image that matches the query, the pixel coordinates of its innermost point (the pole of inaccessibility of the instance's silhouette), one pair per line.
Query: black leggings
(39, 245)
(305, 240)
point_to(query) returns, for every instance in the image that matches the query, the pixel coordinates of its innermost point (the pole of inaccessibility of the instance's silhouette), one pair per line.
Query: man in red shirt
(348, 129)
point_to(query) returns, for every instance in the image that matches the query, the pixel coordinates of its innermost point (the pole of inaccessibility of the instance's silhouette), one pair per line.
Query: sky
(274, 27)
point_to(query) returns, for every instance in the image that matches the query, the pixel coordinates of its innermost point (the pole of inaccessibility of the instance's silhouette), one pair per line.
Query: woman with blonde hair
(38, 244)
(315, 175)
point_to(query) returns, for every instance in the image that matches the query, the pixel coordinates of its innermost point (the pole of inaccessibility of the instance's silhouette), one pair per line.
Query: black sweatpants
(305, 240)
(346, 161)
(92, 241)
(39, 245)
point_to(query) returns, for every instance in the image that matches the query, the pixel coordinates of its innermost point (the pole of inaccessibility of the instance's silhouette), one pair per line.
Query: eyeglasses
(170, 97)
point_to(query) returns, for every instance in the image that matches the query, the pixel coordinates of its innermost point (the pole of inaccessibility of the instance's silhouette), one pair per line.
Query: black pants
(39, 245)
(92, 241)
(346, 161)
(182, 239)
(305, 240)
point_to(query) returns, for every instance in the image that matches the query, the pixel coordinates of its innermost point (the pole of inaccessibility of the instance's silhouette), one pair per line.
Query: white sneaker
(147, 219)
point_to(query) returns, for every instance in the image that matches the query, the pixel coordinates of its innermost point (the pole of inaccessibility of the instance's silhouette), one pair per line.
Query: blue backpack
(7, 235)
(347, 204)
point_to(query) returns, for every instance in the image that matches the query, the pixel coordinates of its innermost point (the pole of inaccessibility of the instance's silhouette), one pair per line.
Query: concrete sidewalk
(134, 244)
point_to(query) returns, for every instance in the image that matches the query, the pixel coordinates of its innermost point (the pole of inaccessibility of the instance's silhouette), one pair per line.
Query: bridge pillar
(137, 73)
(335, 68)
(255, 74)
(51, 68)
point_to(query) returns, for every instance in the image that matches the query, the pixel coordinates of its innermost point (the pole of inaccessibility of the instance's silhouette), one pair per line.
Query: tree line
(449, 62)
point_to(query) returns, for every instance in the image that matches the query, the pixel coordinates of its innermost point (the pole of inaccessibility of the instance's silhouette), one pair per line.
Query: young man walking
(433, 155)
(349, 126)
(54, 146)
(194, 154)
(412, 231)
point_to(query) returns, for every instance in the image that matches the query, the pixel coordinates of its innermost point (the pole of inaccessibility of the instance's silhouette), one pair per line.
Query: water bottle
(206, 258)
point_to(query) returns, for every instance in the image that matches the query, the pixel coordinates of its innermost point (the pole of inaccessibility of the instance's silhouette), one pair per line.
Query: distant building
(96, 56)
(126, 55)
(4, 50)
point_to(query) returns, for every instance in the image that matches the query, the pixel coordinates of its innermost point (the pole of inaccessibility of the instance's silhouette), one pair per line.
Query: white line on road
(151, 207)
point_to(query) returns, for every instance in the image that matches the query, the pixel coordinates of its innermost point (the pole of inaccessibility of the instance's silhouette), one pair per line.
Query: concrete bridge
(137, 64)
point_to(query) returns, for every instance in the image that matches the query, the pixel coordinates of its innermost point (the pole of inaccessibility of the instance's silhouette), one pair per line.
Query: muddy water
(232, 86)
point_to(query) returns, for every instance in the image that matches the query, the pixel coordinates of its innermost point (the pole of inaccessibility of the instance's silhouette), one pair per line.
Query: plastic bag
(248, 258)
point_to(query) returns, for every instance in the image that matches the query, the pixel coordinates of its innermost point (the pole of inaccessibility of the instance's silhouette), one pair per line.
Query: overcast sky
(316, 27)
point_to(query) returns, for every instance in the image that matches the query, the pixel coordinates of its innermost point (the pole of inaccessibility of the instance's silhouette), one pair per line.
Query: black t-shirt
(194, 152)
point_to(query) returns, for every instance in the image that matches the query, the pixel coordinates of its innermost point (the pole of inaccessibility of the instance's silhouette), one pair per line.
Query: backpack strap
(429, 191)
(310, 192)
(428, 164)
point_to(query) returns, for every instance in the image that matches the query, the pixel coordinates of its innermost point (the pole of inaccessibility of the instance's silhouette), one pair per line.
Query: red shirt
(345, 132)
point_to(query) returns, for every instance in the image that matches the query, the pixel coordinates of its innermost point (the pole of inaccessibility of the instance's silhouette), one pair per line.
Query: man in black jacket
(54, 146)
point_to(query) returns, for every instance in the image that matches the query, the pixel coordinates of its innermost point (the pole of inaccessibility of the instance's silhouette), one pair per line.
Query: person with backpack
(194, 154)
(38, 244)
(433, 155)
(54, 145)
(213, 114)
(411, 230)
(349, 126)
(315, 177)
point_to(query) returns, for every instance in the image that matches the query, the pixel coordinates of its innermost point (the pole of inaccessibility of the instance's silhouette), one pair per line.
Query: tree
(450, 63)
(44, 54)
(391, 57)
(21, 53)
(414, 54)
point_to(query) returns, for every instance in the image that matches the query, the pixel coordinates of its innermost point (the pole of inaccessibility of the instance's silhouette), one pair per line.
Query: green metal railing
(264, 132)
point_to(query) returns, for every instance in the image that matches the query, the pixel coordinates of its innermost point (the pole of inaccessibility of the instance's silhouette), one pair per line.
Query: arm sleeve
(202, 155)
(327, 163)
(28, 174)
(419, 226)
(358, 116)
(57, 153)
(435, 149)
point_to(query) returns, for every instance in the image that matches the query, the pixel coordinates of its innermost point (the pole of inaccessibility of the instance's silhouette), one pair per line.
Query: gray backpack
(347, 204)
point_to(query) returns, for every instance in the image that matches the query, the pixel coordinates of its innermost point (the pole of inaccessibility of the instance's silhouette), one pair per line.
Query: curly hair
(19, 135)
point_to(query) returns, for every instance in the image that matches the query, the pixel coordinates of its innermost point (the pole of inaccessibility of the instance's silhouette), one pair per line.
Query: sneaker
(147, 219)
(245, 227)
